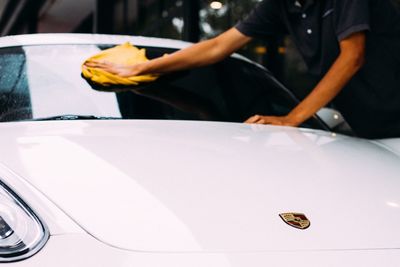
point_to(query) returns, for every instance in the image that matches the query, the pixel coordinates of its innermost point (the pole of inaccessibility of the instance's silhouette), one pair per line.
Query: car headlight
(22, 234)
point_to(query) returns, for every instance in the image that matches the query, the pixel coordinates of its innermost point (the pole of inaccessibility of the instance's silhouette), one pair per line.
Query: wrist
(295, 119)
(139, 69)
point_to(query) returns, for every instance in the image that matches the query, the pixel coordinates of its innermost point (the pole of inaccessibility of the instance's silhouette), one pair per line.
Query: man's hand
(117, 69)
(274, 120)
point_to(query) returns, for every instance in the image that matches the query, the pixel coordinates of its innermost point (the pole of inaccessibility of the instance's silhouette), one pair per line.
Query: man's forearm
(200, 54)
(197, 55)
(344, 68)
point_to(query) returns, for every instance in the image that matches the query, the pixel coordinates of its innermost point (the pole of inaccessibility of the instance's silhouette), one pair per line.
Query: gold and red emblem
(296, 220)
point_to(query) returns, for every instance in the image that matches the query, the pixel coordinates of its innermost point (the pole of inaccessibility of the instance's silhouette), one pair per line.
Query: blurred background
(190, 20)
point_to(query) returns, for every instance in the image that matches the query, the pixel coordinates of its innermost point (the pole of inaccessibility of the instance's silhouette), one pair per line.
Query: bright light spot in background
(178, 24)
(336, 116)
(393, 204)
(216, 5)
(179, 3)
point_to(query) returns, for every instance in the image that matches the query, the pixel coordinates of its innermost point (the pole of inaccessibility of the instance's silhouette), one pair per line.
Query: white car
(132, 177)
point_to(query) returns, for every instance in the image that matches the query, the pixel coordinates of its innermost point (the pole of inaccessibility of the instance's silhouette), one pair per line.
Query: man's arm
(350, 60)
(200, 54)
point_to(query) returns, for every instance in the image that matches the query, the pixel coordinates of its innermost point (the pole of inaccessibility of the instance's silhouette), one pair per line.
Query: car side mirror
(335, 121)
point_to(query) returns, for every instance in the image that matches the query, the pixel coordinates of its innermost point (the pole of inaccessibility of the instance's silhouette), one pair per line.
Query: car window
(14, 90)
(45, 81)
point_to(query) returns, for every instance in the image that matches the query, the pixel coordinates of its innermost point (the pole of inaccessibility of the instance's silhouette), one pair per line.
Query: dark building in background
(190, 20)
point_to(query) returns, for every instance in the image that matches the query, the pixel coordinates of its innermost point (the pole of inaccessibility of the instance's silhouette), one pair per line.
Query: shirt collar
(294, 6)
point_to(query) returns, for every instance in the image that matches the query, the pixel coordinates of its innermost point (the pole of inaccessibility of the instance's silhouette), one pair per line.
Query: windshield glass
(42, 81)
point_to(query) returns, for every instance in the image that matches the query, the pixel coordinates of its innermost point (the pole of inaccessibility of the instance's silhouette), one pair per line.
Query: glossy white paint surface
(57, 222)
(392, 144)
(210, 187)
(81, 250)
(62, 38)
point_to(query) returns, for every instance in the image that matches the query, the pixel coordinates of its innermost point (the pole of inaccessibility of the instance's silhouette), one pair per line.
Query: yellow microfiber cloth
(125, 54)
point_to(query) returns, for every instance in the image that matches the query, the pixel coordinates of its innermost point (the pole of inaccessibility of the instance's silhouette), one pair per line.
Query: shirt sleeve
(351, 16)
(265, 20)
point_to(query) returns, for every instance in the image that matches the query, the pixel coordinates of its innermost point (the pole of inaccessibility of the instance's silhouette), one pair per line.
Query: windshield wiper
(74, 117)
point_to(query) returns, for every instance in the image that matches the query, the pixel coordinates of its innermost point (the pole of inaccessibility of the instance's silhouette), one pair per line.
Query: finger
(98, 63)
(253, 119)
(100, 66)
(90, 64)
(264, 120)
(261, 121)
(95, 65)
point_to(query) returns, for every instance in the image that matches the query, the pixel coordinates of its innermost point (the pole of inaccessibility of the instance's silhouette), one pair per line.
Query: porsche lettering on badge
(296, 220)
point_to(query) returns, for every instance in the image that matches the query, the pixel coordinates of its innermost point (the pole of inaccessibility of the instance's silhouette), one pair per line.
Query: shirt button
(309, 31)
(304, 15)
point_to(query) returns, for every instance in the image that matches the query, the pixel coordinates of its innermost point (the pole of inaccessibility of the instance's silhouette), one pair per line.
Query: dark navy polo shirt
(370, 102)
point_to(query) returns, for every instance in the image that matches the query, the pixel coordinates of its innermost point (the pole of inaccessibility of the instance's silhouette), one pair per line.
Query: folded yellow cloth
(125, 54)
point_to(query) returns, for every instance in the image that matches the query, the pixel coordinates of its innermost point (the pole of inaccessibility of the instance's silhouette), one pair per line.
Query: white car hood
(210, 187)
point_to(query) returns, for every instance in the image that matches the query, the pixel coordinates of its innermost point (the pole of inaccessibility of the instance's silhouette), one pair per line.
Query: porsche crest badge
(296, 220)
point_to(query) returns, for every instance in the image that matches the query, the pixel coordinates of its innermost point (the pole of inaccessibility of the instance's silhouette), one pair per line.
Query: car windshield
(45, 82)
